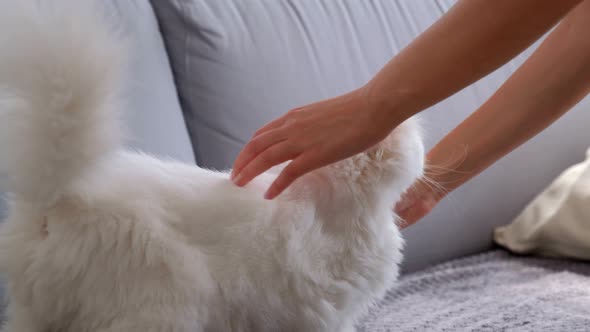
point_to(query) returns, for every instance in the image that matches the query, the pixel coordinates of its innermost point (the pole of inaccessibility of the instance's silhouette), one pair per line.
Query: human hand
(314, 136)
(417, 202)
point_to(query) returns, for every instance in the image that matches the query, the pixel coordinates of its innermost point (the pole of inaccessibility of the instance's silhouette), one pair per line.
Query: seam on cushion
(170, 59)
(306, 35)
(223, 133)
(409, 19)
(185, 65)
(395, 44)
(361, 52)
(440, 7)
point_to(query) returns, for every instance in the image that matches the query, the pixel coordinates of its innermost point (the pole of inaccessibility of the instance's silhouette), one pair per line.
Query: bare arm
(472, 39)
(548, 84)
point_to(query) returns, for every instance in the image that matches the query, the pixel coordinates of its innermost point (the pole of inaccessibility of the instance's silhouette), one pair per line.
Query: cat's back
(187, 198)
(135, 176)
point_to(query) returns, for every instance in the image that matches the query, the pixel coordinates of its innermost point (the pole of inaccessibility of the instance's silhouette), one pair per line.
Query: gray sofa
(205, 74)
(240, 63)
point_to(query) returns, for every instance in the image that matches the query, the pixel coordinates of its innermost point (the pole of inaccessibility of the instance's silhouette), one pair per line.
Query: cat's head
(389, 167)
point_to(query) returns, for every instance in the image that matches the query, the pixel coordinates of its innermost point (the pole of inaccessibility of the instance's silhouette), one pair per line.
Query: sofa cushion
(239, 64)
(154, 116)
(494, 291)
(153, 113)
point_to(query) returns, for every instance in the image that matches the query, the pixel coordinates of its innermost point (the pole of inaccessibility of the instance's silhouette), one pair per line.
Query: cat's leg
(144, 328)
(13, 325)
(20, 319)
(151, 325)
(346, 325)
(348, 328)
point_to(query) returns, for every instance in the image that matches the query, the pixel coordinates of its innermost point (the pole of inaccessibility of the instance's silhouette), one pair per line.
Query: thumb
(407, 199)
(402, 205)
(409, 217)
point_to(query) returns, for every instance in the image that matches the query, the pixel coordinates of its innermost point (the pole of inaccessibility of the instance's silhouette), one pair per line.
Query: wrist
(431, 191)
(389, 104)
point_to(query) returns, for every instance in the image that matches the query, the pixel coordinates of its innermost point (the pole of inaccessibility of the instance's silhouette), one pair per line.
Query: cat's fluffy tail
(59, 71)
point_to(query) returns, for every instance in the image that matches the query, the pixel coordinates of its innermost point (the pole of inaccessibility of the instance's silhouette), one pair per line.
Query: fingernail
(238, 179)
(269, 195)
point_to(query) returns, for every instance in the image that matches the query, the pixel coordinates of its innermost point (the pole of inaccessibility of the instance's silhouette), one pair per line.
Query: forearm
(549, 83)
(471, 40)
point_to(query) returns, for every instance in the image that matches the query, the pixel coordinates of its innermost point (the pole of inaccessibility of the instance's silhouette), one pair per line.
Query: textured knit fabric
(489, 292)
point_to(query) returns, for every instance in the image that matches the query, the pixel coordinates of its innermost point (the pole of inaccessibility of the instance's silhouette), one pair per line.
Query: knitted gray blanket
(494, 291)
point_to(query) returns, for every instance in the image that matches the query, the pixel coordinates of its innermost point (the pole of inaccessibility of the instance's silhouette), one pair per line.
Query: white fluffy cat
(101, 239)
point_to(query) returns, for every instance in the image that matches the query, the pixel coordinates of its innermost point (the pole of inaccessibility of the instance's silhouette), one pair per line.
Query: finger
(415, 212)
(403, 204)
(276, 154)
(255, 147)
(408, 198)
(410, 218)
(270, 126)
(297, 168)
(276, 123)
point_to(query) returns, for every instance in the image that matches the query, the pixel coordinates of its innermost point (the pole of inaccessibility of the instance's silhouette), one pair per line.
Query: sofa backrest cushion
(153, 113)
(239, 64)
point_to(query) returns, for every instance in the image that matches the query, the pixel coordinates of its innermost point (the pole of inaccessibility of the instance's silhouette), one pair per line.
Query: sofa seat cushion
(493, 291)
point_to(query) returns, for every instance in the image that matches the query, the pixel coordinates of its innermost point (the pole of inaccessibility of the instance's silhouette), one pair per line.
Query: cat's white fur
(101, 239)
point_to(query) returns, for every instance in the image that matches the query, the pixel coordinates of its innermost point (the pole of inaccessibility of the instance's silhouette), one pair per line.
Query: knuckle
(290, 173)
(254, 145)
(277, 153)
(265, 160)
(246, 172)
(287, 152)
(291, 122)
(291, 147)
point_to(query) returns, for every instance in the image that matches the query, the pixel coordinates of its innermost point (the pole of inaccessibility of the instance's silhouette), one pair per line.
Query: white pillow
(557, 222)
